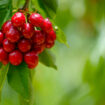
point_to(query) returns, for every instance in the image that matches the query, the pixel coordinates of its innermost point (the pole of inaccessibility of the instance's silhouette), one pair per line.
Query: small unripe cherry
(18, 19)
(28, 30)
(47, 25)
(15, 58)
(3, 54)
(31, 58)
(36, 19)
(24, 45)
(13, 35)
(39, 37)
(39, 48)
(6, 26)
(1, 37)
(8, 46)
(50, 44)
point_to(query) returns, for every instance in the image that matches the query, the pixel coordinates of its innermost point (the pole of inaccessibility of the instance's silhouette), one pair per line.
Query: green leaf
(61, 37)
(46, 7)
(3, 73)
(47, 58)
(5, 10)
(20, 80)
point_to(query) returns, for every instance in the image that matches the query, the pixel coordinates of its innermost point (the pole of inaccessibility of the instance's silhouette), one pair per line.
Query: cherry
(47, 25)
(39, 37)
(18, 19)
(36, 19)
(15, 57)
(13, 35)
(31, 58)
(3, 54)
(8, 46)
(24, 45)
(5, 62)
(28, 30)
(1, 37)
(39, 48)
(49, 44)
(51, 36)
(6, 26)
(31, 66)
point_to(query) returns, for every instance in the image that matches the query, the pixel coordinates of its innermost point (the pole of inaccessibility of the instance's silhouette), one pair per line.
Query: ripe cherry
(6, 26)
(1, 37)
(50, 44)
(18, 19)
(47, 25)
(28, 30)
(51, 36)
(39, 37)
(5, 61)
(15, 57)
(8, 46)
(24, 45)
(39, 48)
(31, 58)
(13, 35)
(3, 54)
(31, 66)
(36, 19)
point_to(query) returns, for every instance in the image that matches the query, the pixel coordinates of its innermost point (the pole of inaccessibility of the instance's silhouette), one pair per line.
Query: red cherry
(31, 58)
(31, 66)
(39, 48)
(13, 35)
(49, 44)
(15, 57)
(28, 30)
(36, 19)
(51, 36)
(39, 37)
(18, 19)
(24, 45)
(8, 46)
(5, 62)
(1, 37)
(47, 25)
(3, 54)
(6, 26)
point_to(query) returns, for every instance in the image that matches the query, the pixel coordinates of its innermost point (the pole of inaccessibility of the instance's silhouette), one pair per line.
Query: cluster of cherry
(22, 39)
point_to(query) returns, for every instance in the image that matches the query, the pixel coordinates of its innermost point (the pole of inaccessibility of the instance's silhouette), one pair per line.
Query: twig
(26, 4)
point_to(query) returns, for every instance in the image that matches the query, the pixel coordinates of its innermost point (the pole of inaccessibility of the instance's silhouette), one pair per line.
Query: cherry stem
(26, 4)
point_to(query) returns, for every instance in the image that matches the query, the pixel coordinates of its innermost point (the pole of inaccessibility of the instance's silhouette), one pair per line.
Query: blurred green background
(80, 79)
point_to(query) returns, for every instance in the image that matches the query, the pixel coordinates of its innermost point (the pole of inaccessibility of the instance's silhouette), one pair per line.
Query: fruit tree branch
(26, 4)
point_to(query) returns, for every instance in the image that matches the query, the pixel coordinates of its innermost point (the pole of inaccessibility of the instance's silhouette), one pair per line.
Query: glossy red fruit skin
(36, 19)
(24, 45)
(1, 37)
(3, 54)
(18, 19)
(39, 48)
(15, 58)
(13, 35)
(5, 62)
(8, 46)
(39, 37)
(28, 30)
(6, 26)
(50, 44)
(31, 66)
(47, 26)
(51, 36)
(31, 58)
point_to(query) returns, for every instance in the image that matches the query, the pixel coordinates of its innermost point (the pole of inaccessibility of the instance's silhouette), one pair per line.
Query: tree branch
(26, 4)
